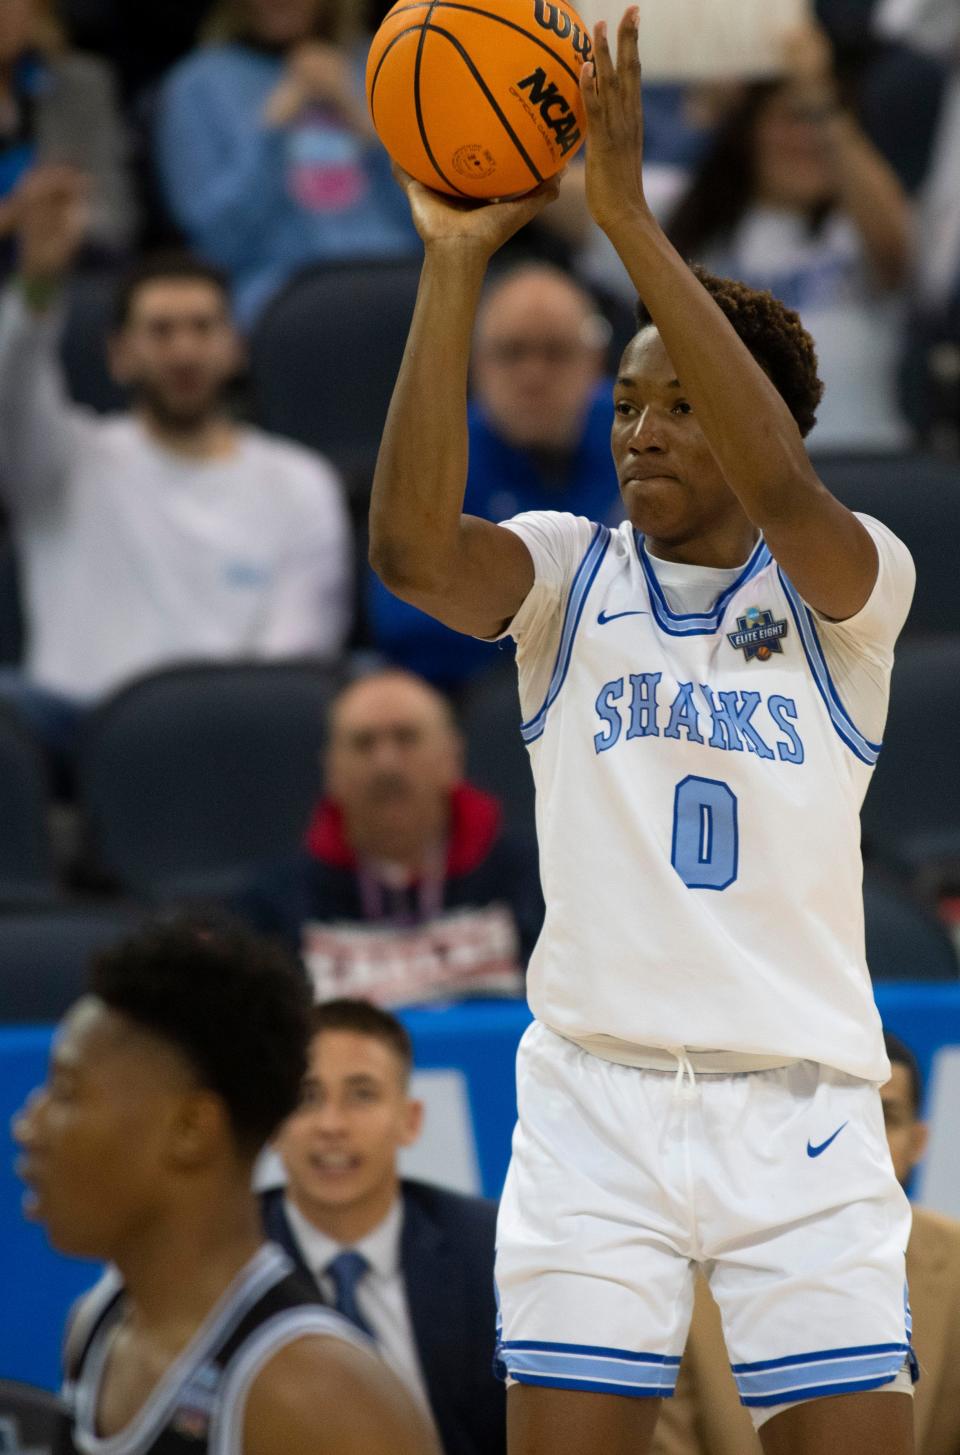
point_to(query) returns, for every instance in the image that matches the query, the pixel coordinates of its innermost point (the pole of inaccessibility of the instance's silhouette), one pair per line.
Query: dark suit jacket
(446, 1253)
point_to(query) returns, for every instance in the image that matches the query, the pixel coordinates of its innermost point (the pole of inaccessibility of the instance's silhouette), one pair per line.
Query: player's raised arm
(821, 545)
(466, 572)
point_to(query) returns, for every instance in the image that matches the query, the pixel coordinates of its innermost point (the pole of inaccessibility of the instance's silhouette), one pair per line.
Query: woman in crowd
(793, 197)
(58, 109)
(266, 155)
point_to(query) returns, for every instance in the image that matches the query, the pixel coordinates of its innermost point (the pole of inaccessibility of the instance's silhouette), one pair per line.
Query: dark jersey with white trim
(197, 1407)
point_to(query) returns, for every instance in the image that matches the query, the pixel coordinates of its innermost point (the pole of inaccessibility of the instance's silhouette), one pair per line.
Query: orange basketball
(479, 98)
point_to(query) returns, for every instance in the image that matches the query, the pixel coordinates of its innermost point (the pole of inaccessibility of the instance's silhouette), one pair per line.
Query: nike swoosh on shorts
(813, 1151)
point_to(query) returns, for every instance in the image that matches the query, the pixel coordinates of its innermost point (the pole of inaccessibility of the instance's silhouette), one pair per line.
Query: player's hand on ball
(478, 226)
(611, 97)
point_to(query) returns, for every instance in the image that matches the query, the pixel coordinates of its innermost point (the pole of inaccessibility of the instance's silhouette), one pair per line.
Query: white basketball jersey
(699, 780)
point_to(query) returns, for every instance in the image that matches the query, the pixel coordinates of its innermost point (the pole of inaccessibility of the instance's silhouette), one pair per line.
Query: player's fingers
(588, 89)
(602, 61)
(628, 59)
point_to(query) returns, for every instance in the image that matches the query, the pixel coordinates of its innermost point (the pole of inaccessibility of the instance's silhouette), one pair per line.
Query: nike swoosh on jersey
(813, 1151)
(603, 618)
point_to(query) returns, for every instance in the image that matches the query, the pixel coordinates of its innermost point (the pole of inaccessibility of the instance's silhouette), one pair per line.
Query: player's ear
(198, 1127)
(412, 1122)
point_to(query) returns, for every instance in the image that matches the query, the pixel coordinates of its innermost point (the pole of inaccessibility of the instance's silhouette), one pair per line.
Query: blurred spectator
(409, 1263)
(57, 108)
(266, 153)
(793, 197)
(933, 382)
(141, 42)
(705, 1416)
(539, 426)
(165, 534)
(407, 889)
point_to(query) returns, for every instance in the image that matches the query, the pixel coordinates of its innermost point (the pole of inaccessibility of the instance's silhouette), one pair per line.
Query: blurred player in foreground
(165, 1081)
(704, 691)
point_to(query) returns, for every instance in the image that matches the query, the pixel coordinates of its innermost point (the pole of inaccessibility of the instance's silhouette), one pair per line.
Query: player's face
(906, 1135)
(93, 1137)
(178, 351)
(284, 22)
(672, 487)
(789, 163)
(340, 1147)
(536, 363)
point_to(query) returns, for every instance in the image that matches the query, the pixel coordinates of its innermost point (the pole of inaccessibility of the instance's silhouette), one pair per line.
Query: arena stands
(197, 768)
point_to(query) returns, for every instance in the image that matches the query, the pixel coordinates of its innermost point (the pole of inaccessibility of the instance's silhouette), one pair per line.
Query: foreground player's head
(672, 487)
(902, 1099)
(165, 1080)
(340, 1146)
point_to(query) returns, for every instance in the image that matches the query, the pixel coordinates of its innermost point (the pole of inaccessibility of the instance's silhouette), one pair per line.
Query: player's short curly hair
(236, 1007)
(775, 337)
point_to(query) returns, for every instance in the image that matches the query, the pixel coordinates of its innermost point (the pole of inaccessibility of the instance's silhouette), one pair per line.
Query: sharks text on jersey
(637, 706)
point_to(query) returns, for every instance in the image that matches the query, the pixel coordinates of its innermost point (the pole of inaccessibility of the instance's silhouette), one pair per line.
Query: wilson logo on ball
(554, 108)
(551, 17)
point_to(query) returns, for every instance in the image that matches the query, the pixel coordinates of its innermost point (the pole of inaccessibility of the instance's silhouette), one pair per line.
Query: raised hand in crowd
(318, 74)
(52, 211)
(867, 187)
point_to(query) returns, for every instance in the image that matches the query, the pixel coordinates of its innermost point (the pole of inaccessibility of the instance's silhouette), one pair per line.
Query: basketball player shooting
(703, 694)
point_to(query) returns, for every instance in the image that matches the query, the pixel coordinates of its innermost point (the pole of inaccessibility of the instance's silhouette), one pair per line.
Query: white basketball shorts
(778, 1184)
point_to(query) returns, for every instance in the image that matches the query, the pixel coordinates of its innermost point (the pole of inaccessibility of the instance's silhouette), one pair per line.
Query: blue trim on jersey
(772, 1381)
(680, 624)
(579, 591)
(859, 745)
(584, 1366)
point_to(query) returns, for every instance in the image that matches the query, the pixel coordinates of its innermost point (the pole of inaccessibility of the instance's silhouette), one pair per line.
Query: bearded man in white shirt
(165, 534)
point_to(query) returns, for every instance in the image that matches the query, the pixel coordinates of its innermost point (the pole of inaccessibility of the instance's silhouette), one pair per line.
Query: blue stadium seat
(496, 757)
(325, 355)
(45, 956)
(189, 778)
(918, 497)
(904, 940)
(911, 815)
(26, 859)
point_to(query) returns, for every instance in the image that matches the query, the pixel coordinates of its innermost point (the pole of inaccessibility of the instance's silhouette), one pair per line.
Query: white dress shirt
(381, 1292)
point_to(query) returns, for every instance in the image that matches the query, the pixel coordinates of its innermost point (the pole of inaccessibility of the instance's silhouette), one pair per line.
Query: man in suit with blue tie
(410, 1264)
